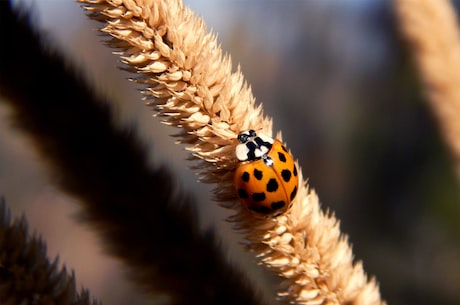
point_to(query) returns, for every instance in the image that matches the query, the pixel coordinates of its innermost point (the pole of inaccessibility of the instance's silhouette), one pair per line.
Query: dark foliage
(142, 216)
(26, 275)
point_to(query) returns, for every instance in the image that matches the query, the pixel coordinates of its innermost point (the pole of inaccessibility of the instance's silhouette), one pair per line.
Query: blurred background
(340, 85)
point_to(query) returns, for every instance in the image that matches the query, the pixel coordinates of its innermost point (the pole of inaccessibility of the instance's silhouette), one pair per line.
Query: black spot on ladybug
(258, 196)
(260, 209)
(295, 171)
(293, 193)
(258, 174)
(272, 185)
(278, 205)
(286, 174)
(242, 193)
(245, 177)
(281, 157)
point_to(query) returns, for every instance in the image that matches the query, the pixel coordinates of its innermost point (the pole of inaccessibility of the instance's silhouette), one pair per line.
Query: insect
(266, 178)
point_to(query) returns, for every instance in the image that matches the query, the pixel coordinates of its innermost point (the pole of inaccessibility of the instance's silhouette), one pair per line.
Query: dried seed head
(182, 66)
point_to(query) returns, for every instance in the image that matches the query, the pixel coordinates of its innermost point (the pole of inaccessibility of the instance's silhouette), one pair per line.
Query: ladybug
(266, 178)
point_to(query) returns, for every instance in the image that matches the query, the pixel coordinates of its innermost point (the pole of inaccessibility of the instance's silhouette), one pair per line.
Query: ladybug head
(246, 136)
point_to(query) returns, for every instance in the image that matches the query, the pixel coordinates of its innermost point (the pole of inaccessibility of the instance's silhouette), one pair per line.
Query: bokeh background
(338, 81)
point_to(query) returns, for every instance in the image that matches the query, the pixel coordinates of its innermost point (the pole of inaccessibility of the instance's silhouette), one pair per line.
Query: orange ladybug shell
(268, 190)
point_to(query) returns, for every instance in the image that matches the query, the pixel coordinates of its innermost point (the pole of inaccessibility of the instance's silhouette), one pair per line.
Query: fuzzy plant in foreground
(190, 83)
(26, 275)
(88, 162)
(431, 29)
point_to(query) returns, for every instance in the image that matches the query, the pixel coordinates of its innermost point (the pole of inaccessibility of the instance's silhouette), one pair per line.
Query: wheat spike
(189, 82)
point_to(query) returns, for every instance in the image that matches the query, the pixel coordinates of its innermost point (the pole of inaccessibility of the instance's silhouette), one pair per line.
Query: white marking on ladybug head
(267, 160)
(266, 138)
(241, 152)
(261, 151)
